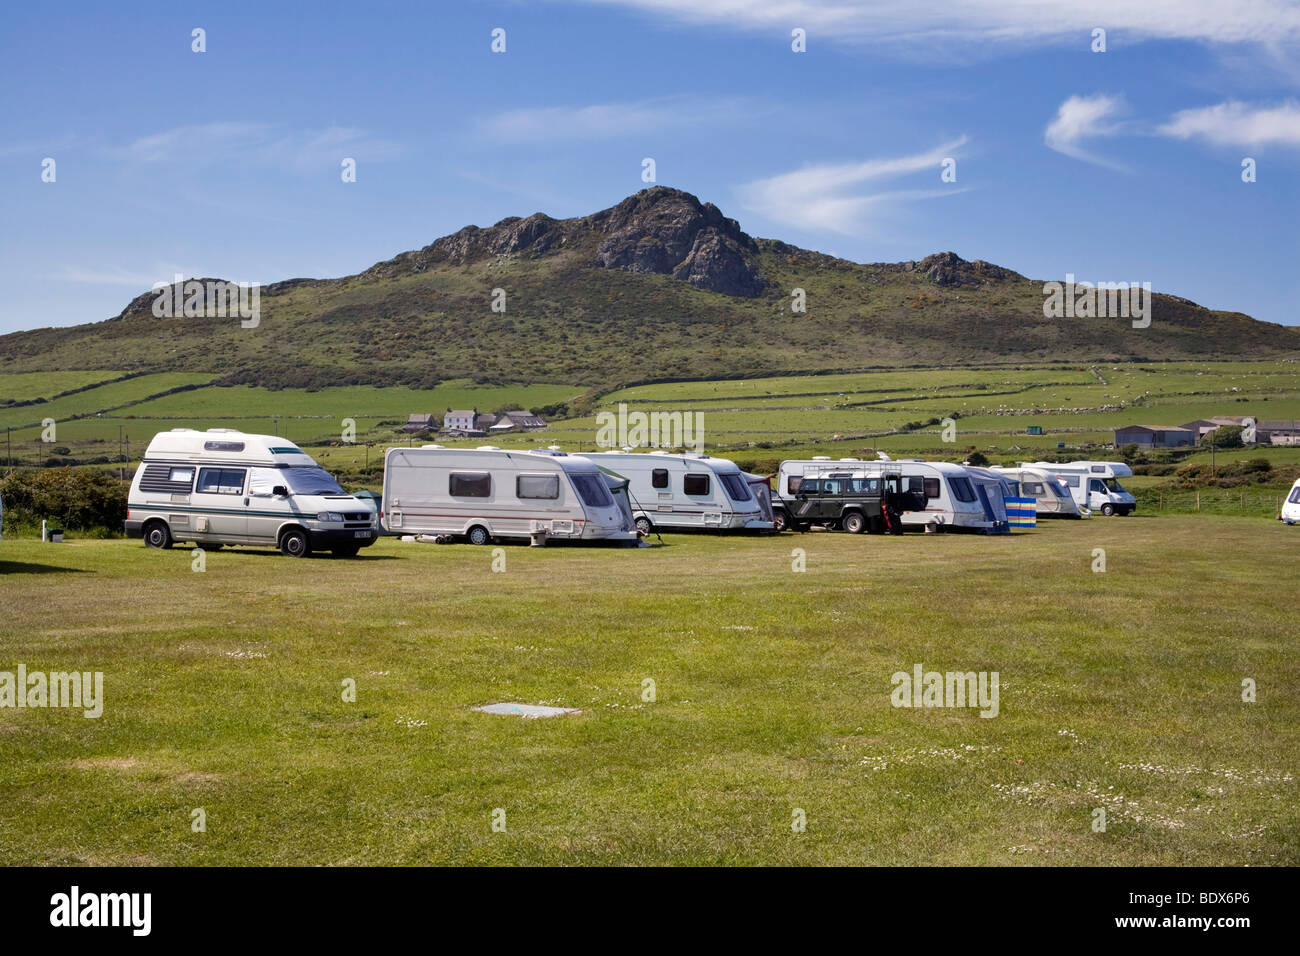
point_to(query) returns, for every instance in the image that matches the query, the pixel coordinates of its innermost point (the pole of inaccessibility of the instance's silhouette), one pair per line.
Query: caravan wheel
(479, 535)
(643, 526)
(293, 543)
(157, 535)
(780, 520)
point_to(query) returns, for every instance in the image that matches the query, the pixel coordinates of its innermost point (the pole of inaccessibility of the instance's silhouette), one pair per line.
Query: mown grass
(1119, 689)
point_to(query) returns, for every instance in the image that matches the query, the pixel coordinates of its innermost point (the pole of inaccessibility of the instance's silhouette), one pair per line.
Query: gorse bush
(76, 499)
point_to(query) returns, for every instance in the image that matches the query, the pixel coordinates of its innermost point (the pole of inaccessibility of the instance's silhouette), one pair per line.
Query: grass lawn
(1119, 690)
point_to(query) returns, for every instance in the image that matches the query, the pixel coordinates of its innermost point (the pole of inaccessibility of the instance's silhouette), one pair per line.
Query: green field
(1077, 407)
(1119, 690)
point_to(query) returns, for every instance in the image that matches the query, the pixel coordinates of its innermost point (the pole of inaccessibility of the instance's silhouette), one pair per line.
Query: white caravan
(685, 491)
(221, 486)
(1094, 485)
(1053, 498)
(486, 493)
(1291, 508)
(935, 495)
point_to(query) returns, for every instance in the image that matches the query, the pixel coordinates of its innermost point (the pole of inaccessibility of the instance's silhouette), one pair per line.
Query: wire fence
(1265, 502)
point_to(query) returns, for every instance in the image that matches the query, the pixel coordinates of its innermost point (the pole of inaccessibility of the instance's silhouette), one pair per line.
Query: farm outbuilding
(1154, 436)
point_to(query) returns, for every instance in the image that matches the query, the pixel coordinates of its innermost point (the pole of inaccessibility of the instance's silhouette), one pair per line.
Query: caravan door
(220, 502)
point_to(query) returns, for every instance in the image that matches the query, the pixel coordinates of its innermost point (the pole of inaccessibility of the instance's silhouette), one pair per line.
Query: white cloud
(1236, 124)
(1080, 118)
(554, 123)
(255, 144)
(823, 197)
(971, 22)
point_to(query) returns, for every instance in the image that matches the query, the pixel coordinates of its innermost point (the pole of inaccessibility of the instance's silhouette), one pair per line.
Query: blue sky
(1114, 166)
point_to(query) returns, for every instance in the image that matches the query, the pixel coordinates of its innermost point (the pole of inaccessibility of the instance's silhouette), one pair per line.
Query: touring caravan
(1291, 508)
(687, 491)
(1094, 485)
(934, 496)
(485, 493)
(1051, 493)
(223, 487)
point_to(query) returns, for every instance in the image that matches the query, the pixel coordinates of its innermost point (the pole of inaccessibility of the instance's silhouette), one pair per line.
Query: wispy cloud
(1082, 118)
(257, 144)
(1237, 124)
(827, 197)
(972, 22)
(606, 120)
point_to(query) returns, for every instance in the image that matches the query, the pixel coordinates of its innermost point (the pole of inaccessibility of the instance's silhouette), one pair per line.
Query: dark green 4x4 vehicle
(850, 503)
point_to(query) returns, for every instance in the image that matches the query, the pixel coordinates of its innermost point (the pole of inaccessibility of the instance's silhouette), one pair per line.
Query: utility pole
(1213, 470)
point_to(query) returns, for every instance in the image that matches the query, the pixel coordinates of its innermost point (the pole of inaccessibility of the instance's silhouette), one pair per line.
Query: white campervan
(487, 493)
(687, 491)
(221, 486)
(938, 495)
(1094, 485)
(1053, 498)
(1291, 507)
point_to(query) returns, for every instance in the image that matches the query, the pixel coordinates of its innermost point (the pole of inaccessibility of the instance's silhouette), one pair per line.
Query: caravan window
(310, 481)
(1034, 489)
(592, 490)
(183, 476)
(537, 486)
(659, 478)
(696, 484)
(737, 490)
(1295, 495)
(221, 481)
(1071, 480)
(932, 487)
(962, 489)
(465, 485)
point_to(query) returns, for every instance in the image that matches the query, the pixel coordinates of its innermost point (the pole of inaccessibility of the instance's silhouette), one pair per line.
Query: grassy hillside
(597, 301)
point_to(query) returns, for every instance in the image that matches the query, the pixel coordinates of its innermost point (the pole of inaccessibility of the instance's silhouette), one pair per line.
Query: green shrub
(76, 499)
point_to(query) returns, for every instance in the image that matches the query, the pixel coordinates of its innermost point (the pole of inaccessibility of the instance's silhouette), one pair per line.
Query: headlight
(329, 516)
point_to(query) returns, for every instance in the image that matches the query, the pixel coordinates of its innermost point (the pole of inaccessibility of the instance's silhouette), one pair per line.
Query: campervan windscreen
(737, 490)
(592, 490)
(1113, 486)
(311, 481)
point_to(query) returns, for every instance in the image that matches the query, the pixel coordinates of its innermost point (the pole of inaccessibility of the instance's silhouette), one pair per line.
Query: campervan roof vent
(182, 429)
(431, 446)
(487, 448)
(659, 451)
(224, 431)
(821, 458)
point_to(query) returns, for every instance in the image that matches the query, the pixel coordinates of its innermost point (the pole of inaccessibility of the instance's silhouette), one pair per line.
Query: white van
(936, 495)
(687, 491)
(221, 486)
(1051, 493)
(1094, 485)
(487, 493)
(1291, 507)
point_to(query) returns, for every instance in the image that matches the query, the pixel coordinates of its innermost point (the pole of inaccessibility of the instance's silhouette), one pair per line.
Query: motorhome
(223, 487)
(1291, 507)
(1094, 485)
(934, 496)
(485, 494)
(1052, 496)
(676, 492)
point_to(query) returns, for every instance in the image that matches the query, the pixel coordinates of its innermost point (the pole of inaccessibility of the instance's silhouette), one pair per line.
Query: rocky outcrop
(659, 231)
